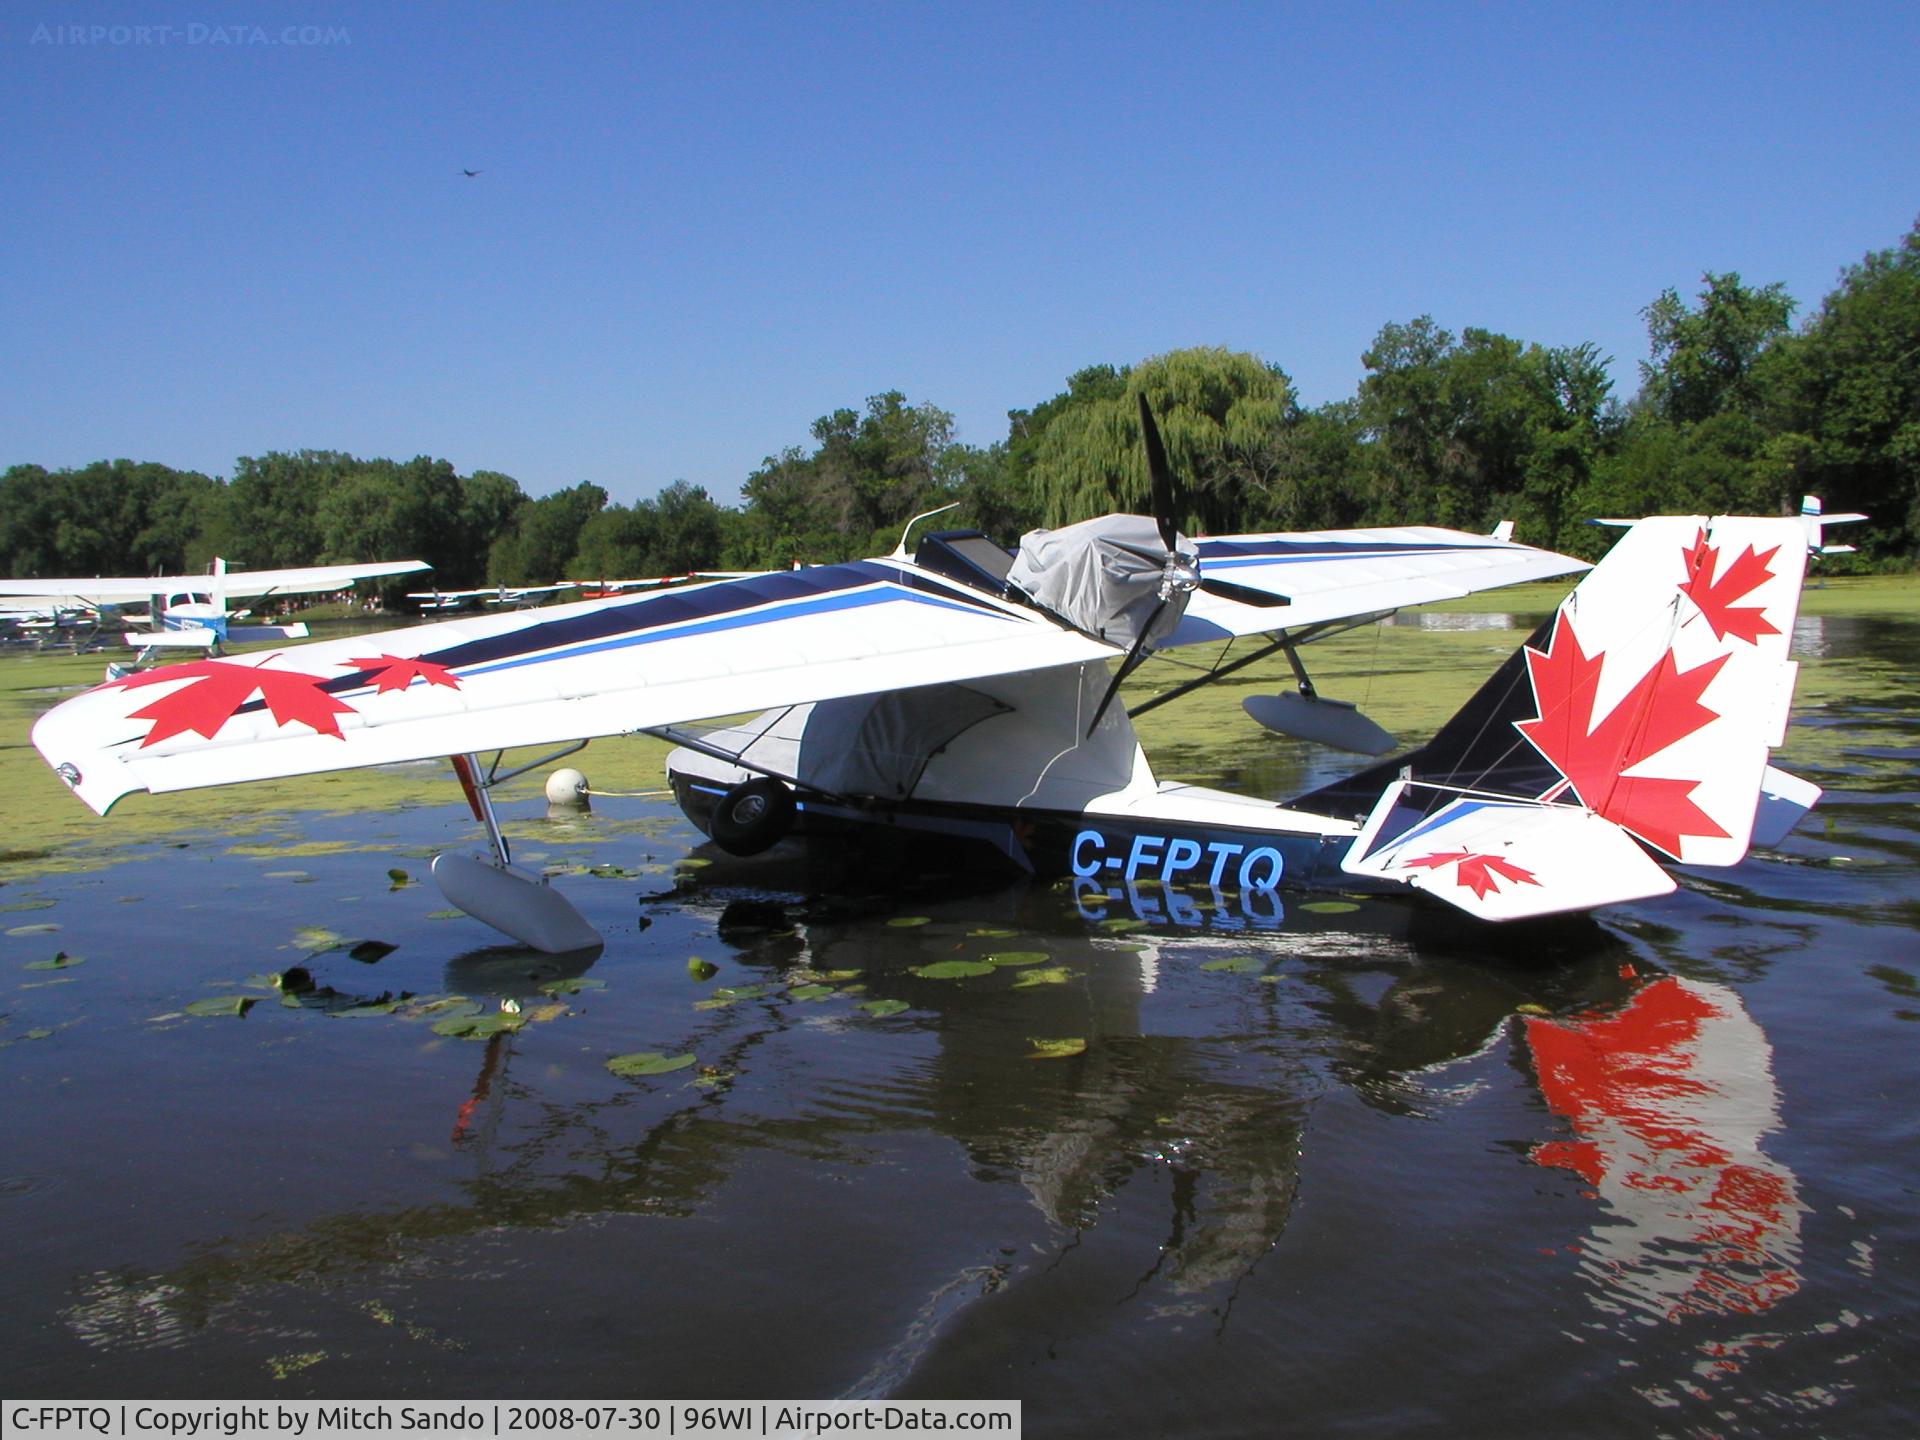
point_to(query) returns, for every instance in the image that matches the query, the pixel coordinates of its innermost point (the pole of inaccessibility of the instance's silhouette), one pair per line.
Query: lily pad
(32, 929)
(61, 961)
(810, 992)
(366, 1011)
(573, 985)
(1119, 925)
(317, 939)
(1015, 959)
(446, 1005)
(1057, 1049)
(648, 1062)
(884, 1008)
(1329, 907)
(739, 992)
(1053, 975)
(907, 922)
(446, 914)
(701, 969)
(1237, 965)
(220, 1005)
(951, 969)
(14, 905)
(480, 1027)
(993, 934)
(369, 952)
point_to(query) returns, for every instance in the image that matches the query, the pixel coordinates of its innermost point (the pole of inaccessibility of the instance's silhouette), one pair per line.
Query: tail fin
(1649, 701)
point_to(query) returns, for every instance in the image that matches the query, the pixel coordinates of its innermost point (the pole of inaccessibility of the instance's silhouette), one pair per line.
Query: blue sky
(698, 227)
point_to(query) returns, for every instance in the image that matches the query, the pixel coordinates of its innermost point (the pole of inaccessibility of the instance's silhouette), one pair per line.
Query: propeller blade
(1159, 476)
(1126, 666)
(1245, 594)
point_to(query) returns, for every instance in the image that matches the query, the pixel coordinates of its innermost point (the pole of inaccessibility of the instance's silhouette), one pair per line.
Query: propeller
(1178, 573)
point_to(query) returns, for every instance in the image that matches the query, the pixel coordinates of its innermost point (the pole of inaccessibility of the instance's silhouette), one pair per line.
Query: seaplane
(965, 693)
(190, 612)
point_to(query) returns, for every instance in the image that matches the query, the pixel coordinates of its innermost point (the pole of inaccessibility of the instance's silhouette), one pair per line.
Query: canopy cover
(1103, 576)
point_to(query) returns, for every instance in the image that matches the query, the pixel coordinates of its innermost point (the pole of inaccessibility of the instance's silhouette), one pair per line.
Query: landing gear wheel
(753, 816)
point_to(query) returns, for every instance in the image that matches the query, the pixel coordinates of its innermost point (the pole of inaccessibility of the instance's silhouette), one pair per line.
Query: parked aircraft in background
(191, 612)
(506, 597)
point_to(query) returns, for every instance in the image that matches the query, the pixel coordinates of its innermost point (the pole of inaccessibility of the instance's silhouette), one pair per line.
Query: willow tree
(1222, 413)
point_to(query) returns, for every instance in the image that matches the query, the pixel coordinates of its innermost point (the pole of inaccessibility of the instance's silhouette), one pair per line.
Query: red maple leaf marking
(1715, 595)
(1662, 707)
(393, 673)
(218, 688)
(1479, 873)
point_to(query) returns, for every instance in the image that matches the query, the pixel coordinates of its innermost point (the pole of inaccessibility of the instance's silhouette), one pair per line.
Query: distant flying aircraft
(964, 693)
(469, 173)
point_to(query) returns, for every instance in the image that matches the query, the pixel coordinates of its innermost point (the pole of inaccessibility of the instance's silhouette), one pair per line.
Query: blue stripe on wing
(1237, 554)
(873, 594)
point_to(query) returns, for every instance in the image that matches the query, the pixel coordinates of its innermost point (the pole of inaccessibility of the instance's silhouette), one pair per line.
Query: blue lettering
(1270, 921)
(1221, 853)
(1141, 905)
(1099, 843)
(1181, 855)
(1090, 900)
(1141, 854)
(1181, 909)
(1275, 865)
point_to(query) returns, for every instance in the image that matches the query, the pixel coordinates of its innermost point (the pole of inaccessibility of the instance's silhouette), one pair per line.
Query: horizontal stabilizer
(1500, 859)
(198, 638)
(1337, 723)
(242, 634)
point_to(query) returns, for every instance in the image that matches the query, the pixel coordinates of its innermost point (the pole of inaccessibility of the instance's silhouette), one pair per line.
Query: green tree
(1703, 359)
(1220, 412)
(539, 549)
(1846, 399)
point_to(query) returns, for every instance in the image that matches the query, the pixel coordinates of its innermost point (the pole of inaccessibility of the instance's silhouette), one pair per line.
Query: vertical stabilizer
(1651, 700)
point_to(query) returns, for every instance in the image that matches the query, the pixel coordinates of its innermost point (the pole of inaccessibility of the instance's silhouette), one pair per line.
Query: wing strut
(495, 890)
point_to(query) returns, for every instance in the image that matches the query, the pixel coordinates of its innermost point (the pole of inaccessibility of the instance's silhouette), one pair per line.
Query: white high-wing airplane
(966, 692)
(190, 611)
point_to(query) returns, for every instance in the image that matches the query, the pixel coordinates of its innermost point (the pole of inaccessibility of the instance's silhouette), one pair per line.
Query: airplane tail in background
(1635, 725)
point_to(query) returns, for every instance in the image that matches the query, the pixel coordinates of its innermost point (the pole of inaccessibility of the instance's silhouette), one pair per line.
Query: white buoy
(567, 787)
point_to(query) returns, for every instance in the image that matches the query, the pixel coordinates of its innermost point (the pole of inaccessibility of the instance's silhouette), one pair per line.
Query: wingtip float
(941, 694)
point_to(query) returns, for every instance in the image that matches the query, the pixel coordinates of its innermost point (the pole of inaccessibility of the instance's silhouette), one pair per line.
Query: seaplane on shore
(191, 612)
(968, 692)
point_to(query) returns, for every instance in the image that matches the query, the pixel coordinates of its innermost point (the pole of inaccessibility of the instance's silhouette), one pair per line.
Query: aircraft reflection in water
(1669, 1098)
(1166, 1163)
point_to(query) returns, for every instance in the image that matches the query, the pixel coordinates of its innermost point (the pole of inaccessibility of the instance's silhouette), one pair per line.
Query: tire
(753, 816)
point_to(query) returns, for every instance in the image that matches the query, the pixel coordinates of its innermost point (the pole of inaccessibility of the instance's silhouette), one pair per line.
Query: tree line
(1738, 410)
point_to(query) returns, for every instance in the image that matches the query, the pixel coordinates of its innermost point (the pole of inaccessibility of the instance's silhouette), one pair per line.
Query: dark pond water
(1320, 1173)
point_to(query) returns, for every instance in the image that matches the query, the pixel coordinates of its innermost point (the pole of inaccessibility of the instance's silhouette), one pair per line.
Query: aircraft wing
(1334, 574)
(569, 672)
(78, 590)
(307, 579)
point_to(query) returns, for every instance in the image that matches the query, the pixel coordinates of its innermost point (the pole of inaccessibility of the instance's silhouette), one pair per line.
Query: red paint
(391, 672)
(1478, 873)
(1662, 707)
(216, 690)
(1716, 596)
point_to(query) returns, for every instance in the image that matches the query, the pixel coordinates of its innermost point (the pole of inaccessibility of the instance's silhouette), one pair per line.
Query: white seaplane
(967, 692)
(190, 612)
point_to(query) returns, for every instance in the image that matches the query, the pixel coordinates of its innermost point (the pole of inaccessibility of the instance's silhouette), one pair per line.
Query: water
(1372, 1172)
